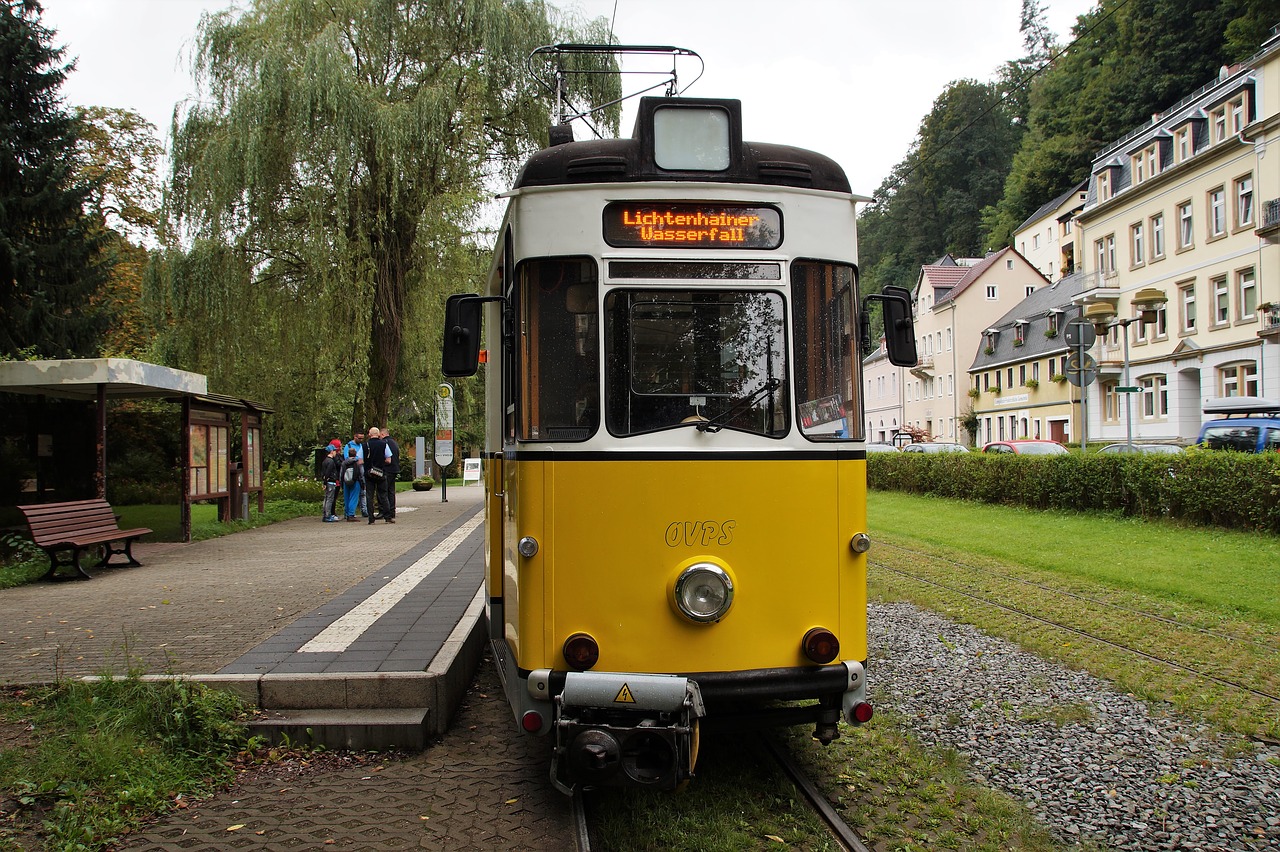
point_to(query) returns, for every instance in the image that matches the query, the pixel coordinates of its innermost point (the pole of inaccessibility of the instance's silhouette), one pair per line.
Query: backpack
(349, 475)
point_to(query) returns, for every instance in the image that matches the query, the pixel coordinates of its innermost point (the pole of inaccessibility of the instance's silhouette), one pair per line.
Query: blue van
(1246, 424)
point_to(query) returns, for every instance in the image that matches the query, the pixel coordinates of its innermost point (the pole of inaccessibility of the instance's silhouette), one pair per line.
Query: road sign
(1080, 332)
(444, 424)
(1080, 368)
(1124, 389)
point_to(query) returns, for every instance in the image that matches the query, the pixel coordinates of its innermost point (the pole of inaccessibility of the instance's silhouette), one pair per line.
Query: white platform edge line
(339, 636)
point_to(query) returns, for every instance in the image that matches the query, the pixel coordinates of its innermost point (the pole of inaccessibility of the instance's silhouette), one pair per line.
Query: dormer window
(1105, 190)
(1019, 333)
(1145, 164)
(1051, 325)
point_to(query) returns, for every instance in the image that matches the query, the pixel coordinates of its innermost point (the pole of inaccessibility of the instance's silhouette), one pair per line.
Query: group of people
(364, 473)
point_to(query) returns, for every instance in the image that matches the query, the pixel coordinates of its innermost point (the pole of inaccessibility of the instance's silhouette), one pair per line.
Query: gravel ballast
(1095, 765)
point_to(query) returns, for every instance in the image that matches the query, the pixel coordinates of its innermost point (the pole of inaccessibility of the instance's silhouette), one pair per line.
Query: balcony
(923, 368)
(1269, 313)
(1269, 222)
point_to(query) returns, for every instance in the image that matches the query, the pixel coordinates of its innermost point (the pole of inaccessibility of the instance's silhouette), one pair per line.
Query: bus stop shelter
(211, 467)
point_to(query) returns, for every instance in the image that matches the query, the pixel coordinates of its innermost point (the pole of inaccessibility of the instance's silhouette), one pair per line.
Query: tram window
(558, 349)
(824, 327)
(677, 357)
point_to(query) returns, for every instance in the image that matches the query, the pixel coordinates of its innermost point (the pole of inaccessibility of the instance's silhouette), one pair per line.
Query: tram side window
(559, 350)
(826, 350)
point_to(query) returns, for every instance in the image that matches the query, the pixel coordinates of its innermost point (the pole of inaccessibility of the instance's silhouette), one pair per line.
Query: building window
(1035, 241)
(1239, 379)
(1244, 202)
(1185, 233)
(1022, 374)
(1136, 244)
(1104, 184)
(948, 339)
(1110, 402)
(1157, 236)
(1188, 292)
(1182, 144)
(1031, 288)
(1100, 248)
(1008, 264)
(1217, 212)
(1111, 252)
(1155, 398)
(1144, 164)
(1218, 122)
(1247, 294)
(1019, 334)
(1221, 300)
(1162, 322)
(1051, 325)
(1237, 119)
(991, 292)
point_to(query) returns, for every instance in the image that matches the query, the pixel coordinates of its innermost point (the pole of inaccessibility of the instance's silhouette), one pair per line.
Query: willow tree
(323, 187)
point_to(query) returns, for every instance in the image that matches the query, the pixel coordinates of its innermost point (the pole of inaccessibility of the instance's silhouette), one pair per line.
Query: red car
(1026, 447)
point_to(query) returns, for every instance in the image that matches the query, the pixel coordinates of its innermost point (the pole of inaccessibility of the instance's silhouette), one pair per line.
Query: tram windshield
(679, 357)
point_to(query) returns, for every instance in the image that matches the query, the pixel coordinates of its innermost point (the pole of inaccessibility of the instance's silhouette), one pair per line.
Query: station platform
(352, 635)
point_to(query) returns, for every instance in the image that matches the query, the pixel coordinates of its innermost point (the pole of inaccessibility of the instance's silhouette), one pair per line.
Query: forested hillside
(989, 154)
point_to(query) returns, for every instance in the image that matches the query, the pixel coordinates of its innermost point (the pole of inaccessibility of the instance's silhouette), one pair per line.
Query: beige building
(1047, 239)
(1019, 380)
(955, 302)
(1189, 206)
(882, 401)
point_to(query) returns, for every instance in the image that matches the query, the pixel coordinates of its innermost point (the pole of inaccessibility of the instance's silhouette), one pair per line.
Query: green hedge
(1232, 490)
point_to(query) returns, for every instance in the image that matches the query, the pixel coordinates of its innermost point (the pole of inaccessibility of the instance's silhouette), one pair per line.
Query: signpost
(444, 435)
(1080, 368)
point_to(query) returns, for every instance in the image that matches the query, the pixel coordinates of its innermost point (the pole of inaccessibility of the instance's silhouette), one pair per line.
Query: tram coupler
(825, 729)
(619, 730)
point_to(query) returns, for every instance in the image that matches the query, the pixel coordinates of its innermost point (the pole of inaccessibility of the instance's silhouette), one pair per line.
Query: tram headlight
(704, 592)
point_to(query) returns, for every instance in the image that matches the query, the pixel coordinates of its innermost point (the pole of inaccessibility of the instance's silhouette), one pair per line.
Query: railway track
(843, 833)
(963, 571)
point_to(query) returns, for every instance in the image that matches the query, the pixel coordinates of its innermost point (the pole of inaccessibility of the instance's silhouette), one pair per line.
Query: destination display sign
(645, 224)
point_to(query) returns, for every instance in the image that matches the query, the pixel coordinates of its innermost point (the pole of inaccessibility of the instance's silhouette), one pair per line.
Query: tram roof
(632, 160)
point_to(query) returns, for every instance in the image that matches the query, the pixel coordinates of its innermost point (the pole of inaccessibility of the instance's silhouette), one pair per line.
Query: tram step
(352, 729)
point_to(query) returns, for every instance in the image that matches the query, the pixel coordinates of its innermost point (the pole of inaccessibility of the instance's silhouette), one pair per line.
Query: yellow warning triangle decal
(624, 696)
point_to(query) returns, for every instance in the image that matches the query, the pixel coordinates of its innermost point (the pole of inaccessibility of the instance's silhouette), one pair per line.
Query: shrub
(1223, 489)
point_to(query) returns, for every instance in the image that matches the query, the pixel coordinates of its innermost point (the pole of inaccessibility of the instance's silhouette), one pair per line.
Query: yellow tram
(675, 464)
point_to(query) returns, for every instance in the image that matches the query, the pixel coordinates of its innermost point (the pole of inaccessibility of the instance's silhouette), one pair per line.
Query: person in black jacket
(393, 469)
(377, 474)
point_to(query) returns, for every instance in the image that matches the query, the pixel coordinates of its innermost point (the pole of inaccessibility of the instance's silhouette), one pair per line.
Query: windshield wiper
(715, 424)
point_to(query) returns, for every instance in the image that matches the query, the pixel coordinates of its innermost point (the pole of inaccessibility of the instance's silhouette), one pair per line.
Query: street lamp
(1103, 316)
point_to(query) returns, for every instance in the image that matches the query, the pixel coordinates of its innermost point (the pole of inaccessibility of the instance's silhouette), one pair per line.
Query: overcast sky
(848, 78)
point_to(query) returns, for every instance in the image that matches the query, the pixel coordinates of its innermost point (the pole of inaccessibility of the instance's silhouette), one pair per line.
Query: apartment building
(1047, 238)
(1018, 381)
(955, 302)
(1186, 209)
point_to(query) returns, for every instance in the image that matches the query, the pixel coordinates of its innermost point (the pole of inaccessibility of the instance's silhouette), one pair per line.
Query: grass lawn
(1233, 573)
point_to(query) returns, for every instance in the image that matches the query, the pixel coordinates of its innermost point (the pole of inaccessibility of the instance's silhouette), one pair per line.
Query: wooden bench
(66, 530)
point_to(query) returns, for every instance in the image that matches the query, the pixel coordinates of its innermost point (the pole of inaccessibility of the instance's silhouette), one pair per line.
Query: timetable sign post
(444, 425)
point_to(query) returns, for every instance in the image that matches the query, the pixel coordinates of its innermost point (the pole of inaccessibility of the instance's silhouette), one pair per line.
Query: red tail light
(862, 712)
(531, 721)
(820, 645)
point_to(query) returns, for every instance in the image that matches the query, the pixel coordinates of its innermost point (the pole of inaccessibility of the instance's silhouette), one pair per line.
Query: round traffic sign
(1080, 332)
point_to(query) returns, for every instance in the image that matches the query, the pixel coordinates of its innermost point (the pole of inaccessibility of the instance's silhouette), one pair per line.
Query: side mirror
(461, 349)
(899, 328)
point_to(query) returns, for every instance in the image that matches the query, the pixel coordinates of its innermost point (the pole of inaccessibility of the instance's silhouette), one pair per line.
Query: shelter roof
(80, 378)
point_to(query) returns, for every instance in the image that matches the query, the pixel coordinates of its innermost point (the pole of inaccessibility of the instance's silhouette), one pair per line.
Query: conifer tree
(48, 253)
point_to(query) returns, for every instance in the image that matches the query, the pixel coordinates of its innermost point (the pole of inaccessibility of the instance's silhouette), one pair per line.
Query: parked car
(1026, 447)
(881, 448)
(1147, 449)
(1255, 430)
(935, 447)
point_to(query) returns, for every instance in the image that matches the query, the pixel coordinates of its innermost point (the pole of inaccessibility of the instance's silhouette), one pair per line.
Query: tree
(324, 187)
(49, 268)
(118, 156)
(931, 204)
